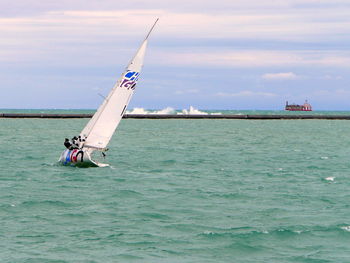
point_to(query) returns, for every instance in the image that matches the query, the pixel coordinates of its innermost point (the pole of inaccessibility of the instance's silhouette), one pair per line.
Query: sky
(224, 54)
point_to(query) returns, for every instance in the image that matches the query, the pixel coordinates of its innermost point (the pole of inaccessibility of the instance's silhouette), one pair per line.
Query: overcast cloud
(234, 54)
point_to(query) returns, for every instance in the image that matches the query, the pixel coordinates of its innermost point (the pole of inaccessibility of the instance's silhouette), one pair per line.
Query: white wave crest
(142, 111)
(168, 110)
(193, 111)
(346, 228)
(137, 111)
(330, 178)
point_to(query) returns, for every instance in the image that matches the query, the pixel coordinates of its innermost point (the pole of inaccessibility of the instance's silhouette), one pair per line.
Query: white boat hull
(79, 158)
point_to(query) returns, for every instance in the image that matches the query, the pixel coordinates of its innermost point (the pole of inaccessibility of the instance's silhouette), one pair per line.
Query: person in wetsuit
(74, 140)
(75, 143)
(67, 143)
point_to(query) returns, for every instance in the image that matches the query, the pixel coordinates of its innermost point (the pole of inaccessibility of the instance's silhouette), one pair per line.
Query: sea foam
(346, 228)
(168, 110)
(330, 178)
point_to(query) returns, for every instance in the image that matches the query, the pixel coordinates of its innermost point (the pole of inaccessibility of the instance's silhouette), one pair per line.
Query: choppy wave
(280, 231)
(346, 228)
(168, 110)
(179, 191)
(330, 178)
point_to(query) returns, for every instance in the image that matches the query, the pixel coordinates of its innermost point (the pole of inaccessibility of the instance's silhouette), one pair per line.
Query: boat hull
(79, 158)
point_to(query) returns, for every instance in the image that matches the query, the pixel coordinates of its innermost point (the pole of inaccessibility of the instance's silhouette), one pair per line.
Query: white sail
(103, 124)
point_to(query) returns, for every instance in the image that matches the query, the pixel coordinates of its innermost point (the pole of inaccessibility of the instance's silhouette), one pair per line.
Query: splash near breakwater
(170, 113)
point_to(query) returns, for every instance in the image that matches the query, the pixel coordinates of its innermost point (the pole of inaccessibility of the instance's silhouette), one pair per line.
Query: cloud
(246, 93)
(67, 36)
(270, 23)
(231, 44)
(33, 6)
(254, 58)
(280, 76)
(189, 91)
(331, 77)
(343, 93)
(288, 25)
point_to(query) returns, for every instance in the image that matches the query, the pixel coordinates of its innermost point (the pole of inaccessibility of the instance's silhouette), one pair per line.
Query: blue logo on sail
(129, 80)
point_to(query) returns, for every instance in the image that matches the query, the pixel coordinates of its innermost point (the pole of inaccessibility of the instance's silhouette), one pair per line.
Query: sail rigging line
(104, 98)
(95, 148)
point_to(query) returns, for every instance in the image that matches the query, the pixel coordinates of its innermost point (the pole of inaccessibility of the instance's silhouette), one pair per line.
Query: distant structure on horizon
(294, 107)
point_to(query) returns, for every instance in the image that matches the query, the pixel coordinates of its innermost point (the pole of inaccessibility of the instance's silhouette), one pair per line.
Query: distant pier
(180, 116)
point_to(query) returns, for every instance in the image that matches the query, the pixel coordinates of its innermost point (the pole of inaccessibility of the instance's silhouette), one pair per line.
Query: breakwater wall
(189, 116)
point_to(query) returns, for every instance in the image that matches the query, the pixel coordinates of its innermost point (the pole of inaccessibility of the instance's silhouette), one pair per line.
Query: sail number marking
(130, 79)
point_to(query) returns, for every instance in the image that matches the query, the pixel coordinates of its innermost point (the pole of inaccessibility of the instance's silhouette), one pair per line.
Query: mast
(150, 31)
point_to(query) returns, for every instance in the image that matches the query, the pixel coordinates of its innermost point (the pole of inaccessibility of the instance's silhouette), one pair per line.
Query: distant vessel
(294, 107)
(99, 130)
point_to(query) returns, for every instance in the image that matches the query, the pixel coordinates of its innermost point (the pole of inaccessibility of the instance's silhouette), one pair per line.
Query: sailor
(67, 144)
(75, 143)
(74, 140)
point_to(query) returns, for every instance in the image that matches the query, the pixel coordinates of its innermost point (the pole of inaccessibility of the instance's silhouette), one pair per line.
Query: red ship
(294, 107)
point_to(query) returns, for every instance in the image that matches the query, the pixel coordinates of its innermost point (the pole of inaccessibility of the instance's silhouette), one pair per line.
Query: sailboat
(101, 127)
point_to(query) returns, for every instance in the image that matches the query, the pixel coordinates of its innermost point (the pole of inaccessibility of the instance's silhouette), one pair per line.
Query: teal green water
(178, 191)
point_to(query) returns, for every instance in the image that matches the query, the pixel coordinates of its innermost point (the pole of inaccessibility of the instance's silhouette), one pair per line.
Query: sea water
(178, 191)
